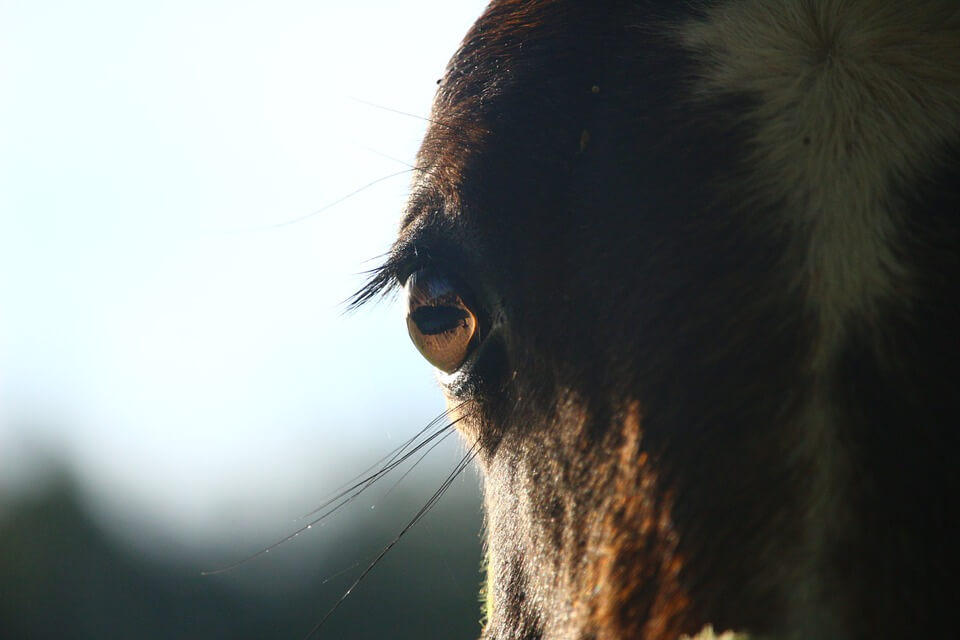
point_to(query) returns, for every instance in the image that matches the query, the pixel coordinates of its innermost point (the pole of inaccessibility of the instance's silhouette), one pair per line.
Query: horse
(688, 274)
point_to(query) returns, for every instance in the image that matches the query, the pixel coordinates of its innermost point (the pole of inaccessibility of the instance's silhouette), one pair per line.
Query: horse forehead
(536, 81)
(514, 94)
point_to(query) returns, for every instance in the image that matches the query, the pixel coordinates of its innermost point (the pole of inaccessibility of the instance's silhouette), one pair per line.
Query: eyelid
(407, 268)
(429, 246)
(415, 260)
(406, 260)
(440, 255)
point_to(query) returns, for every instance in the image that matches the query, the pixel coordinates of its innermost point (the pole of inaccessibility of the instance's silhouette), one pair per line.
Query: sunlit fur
(714, 249)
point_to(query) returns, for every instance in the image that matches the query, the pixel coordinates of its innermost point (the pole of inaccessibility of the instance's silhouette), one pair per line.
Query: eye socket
(442, 326)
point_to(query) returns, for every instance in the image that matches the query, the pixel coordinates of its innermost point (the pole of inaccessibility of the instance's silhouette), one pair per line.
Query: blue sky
(185, 357)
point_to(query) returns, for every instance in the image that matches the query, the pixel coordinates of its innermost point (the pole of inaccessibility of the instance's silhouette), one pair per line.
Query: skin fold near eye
(440, 323)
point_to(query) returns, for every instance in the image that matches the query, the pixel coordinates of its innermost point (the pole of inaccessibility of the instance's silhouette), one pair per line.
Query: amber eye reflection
(440, 323)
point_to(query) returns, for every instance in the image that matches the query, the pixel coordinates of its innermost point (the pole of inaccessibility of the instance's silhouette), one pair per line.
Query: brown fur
(714, 381)
(635, 533)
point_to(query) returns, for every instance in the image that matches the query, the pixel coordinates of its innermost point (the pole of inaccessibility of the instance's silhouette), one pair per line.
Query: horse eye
(441, 325)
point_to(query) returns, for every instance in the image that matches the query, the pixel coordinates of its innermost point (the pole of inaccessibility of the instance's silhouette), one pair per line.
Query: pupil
(434, 320)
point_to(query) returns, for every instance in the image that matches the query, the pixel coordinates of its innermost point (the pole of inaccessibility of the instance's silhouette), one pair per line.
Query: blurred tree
(63, 576)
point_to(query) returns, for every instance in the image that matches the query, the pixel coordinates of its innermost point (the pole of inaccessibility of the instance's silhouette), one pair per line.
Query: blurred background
(189, 190)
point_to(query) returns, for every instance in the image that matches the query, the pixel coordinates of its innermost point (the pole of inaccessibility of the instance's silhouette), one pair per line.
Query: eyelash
(383, 280)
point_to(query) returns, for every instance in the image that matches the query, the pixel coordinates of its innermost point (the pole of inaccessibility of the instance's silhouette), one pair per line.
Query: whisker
(458, 469)
(340, 573)
(377, 259)
(349, 494)
(385, 467)
(329, 205)
(403, 113)
(389, 157)
(339, 200)
(418, 461)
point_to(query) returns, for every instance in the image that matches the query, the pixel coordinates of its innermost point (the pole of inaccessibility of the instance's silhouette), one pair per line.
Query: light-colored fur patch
(851, 94)
(851, 98)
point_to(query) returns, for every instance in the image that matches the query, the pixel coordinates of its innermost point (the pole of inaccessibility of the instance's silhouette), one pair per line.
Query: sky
(172, 275)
